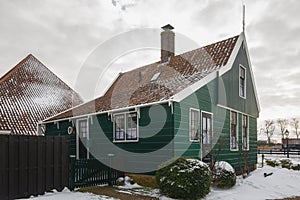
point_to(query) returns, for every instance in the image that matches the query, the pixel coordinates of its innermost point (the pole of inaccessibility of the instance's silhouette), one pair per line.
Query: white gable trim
(251, 73)
(196, 86)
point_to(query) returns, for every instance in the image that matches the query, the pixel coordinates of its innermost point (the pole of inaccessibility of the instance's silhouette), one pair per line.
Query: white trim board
(199, 126)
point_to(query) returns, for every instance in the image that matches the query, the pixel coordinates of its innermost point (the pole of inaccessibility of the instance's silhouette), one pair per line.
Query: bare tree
(295, 124)
(268, 129)
(282, 123)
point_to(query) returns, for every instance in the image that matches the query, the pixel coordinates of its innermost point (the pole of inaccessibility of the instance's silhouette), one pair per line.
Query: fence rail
(279, 152)
(32, 165)
(91, 172)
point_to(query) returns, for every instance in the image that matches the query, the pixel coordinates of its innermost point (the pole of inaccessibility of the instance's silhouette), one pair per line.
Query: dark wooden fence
(91, 172)
(32, 165)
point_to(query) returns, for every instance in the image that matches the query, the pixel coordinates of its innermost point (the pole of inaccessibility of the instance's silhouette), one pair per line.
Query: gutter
(170, 103)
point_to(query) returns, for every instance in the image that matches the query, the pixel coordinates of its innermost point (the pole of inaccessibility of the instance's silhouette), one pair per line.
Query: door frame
(78, 139)
(201, 129)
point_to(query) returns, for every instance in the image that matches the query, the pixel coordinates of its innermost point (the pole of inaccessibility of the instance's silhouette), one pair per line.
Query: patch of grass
(144, 180)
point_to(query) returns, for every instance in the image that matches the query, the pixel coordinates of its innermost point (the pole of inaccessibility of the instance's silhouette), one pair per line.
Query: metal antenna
(243, 18)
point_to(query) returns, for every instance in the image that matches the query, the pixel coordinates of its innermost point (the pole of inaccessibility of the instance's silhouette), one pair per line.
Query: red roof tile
(135, 87)
(30, 93)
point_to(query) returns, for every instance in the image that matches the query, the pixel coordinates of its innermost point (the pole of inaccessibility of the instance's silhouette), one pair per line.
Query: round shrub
(223, 175)
(184, 178)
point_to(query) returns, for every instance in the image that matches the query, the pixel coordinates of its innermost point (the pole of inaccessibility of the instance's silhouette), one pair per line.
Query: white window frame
(87, 137)
(245, 84)
(237, 131)
(125, 123)
(212, 126)
(245, 149)
(190, 124)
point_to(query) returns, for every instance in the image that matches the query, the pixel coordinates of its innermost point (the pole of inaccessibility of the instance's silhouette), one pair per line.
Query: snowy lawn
(282, 183)
(294, 158)
(69, 195)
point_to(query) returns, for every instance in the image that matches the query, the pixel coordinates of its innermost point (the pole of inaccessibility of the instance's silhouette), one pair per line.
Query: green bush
(223, 175)
(184, 178)
(286, 163)
(272, 163)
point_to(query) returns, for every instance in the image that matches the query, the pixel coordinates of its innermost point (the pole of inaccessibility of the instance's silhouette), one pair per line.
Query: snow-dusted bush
(223, 175)
(184, 178)
(272, 163)
(286, 163)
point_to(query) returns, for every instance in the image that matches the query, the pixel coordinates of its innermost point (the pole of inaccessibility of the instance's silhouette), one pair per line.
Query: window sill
(243, 97)
(125, 141)
(234, 150)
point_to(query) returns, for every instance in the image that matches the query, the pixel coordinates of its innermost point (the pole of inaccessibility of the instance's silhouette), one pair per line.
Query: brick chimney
(167, 43)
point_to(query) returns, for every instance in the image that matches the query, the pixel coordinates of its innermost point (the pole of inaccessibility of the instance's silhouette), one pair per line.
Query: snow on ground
(295, 159)
(69, 195)
(283, 183)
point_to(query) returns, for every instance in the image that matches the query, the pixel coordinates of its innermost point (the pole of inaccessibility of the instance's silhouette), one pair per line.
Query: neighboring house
(30, 93)
(182, 105)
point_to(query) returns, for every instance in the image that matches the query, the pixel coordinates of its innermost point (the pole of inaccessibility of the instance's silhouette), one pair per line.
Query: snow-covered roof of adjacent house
(30, 93)
(158, 81)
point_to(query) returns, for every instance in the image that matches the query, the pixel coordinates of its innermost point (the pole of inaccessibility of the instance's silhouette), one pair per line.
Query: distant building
(30, 93)
(294, 143)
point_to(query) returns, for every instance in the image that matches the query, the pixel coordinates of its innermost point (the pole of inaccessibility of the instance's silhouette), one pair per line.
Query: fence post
(110, 155)
(72, 172)
(262, 159)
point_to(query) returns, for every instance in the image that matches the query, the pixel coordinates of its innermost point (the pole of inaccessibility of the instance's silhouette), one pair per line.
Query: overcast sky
(62, 34)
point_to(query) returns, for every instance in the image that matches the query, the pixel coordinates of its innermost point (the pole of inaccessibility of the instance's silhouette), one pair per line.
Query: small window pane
(233, 131)
(194, 125)
(119, 127)
(245, 133)
(242, 82)
(131, 132)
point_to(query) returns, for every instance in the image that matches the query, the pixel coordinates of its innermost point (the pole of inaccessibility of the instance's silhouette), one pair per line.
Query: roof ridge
(17, 66)
(158, 62)
(12, 70)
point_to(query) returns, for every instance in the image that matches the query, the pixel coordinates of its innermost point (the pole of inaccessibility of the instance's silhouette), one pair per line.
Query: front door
(206, 131)
(82, 139)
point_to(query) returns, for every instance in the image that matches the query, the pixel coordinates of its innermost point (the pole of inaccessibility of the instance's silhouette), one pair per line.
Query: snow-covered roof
(137, 87)
(30, 93)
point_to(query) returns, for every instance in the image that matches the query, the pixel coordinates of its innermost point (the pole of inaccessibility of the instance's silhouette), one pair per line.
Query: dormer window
(242, 82)
(155, 76)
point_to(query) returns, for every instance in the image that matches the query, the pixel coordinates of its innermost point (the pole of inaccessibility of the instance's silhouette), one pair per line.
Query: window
(242, 82)
(155, 77)
(194, 125)
(233, 131)
(82, 150)
(125, 127)
(245, 133)
(206, 128)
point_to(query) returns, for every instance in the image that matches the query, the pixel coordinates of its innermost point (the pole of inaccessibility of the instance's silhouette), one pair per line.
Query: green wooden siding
(231, 79)
(154, 134)
(62, 129)
(207, 98)
(236, 158)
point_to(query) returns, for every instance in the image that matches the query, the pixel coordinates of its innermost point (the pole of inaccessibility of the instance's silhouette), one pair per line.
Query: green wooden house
(202, 103)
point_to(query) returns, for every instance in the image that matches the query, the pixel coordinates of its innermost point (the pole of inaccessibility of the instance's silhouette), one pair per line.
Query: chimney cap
(167, 27)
